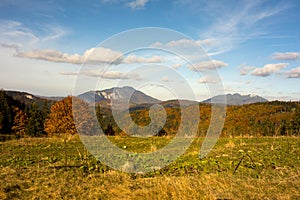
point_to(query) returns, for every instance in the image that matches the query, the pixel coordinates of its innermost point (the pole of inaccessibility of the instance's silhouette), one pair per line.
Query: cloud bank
(97, 55)
(293, 73)
(268, 69)
(246, 69)
(208, 80)
(207, 65)
(286, 56)
(106, 75)
(137, 4)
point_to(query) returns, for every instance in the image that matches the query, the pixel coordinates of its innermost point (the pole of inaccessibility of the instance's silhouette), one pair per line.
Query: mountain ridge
(133, 96)
(236, 99)
(119, 94)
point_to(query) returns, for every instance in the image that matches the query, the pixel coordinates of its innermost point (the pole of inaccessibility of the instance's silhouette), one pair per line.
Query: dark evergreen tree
(1, 120)
(99, 115)
(6, 116)
(109, 130)
(161, 133)
(295, 123)
(45, 110)
(283, 129)
(35, 125)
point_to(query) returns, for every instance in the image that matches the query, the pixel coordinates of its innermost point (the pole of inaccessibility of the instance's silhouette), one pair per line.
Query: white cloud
(207, 65)
(135, 59)
(104, 75)
(165, 79)
(206, 42)
(177, 65)
(70, 73)
(137, 4)
(188, 49)
(156, 44)
(51, 55)
(10, 46)
(181, 43)
(293, 73)
(233, 25)
(185, 43)
(268, 69)
(286, 56)
(102, 55)
(119, 75)
(207, 79)
(14, 32)
(133, 4)
(195, 50)
(246, 69)
(92, 56)
(57, 33)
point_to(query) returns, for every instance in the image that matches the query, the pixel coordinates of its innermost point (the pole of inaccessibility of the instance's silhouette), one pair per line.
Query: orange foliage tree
(61, 120)
(20, 121)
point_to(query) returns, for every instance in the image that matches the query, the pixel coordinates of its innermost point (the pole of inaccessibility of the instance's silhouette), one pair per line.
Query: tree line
(49, 119)
(21, 120)
(259, 119)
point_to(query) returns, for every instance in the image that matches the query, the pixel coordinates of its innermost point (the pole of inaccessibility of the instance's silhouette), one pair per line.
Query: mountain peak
(120, 94)
(236, 99)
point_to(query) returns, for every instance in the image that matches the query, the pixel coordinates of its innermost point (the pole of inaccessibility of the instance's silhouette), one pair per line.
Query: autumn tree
(84, 118)
(20, 122)
(61, 118)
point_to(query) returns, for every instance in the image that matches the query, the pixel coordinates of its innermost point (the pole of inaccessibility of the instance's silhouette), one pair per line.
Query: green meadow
(237, 168)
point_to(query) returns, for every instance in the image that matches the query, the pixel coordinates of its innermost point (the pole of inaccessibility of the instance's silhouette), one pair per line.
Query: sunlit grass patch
(252, 168)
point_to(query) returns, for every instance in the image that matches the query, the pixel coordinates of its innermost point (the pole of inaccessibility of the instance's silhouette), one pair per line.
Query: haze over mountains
(136, 97)
(236, 99)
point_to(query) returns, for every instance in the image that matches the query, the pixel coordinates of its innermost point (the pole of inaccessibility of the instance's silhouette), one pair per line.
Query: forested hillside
(259, 119)
(18, 119)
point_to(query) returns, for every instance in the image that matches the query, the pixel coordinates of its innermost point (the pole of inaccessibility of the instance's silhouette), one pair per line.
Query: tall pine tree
(295, 123)
(6, 114)
(35, 125)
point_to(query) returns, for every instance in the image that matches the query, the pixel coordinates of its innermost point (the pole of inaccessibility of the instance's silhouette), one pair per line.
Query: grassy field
(237, 168)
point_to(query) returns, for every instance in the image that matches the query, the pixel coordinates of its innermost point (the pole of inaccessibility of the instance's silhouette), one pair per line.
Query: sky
(167, 49)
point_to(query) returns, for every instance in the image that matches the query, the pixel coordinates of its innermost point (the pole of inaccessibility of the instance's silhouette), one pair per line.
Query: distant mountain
(13, 102)
(236, 99)
(102, 97)
(119, 94)
(27, 98)
(52, 98)
(137, 98)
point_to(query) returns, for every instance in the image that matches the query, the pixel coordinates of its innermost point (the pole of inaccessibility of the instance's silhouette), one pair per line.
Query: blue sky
(255, 46)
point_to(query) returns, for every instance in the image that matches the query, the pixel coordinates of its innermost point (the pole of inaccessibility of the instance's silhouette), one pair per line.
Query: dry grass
(30, 175)
(116, 185)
